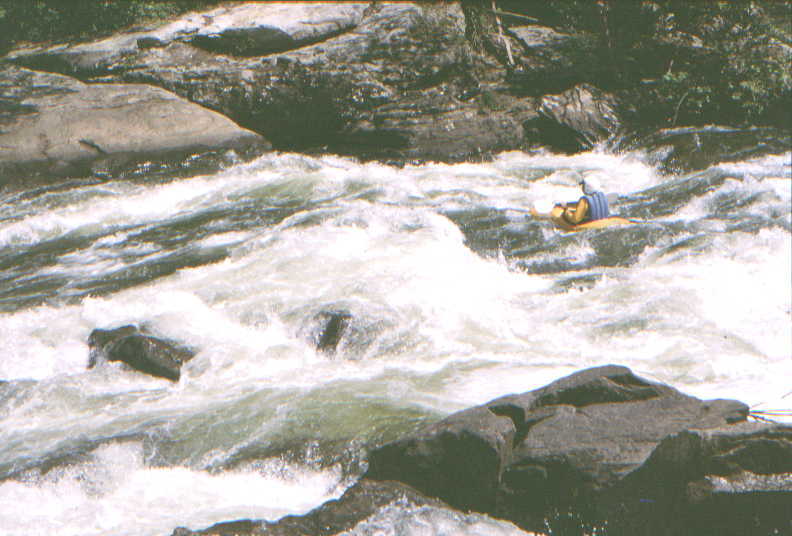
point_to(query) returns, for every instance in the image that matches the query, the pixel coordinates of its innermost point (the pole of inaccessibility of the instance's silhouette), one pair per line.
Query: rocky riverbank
(397, 82)
(401, 82)
(601, 451)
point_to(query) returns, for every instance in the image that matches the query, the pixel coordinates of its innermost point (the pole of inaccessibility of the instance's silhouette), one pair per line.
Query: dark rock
(100, 340)
(731, 480)
(345, 328)
(359, 502)
(141, 351)
(336, 323)
(577, 119)
(564, 447)
(53, 125)
(402, 84)
(150, 42)
(551, 62)
(685, 149)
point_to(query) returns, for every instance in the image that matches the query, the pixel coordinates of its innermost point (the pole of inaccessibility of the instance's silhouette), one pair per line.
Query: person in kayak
(592, 206)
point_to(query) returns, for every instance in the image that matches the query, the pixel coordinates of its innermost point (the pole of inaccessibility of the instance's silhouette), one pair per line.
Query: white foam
(116, 493)
(448, 328)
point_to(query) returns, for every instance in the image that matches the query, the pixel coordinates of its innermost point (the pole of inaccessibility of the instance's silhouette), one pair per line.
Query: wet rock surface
(359, 502)
(600, 450)
(586, 445)
(396, 82)
(140, 350)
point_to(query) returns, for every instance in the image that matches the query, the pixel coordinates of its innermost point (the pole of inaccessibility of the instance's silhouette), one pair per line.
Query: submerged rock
(685, 149)
(358, 503)
(55, 125)
(141, 351)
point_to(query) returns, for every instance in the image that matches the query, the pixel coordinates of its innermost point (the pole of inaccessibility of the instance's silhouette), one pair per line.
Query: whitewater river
(453, 298)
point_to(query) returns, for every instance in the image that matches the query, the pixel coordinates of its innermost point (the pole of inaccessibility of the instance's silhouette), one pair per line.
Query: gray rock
(248, 29)
(578, 118)
(257, 29)
(536, 36)
(601, 451)
(563, 447)
(401, 84)
(141, 351)
(685, 149)
(55, 125)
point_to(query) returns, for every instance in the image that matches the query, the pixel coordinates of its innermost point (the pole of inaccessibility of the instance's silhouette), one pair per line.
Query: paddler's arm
(576, 213)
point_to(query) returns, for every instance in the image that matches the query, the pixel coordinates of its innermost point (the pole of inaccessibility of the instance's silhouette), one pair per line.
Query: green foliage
(682, 61)
(67, 20)
(738, 70)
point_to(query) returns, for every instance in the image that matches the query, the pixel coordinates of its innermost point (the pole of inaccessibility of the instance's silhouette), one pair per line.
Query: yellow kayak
(596, 224)
(555, 216)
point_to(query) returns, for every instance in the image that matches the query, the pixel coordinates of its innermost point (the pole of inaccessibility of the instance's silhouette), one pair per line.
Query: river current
(452, 296)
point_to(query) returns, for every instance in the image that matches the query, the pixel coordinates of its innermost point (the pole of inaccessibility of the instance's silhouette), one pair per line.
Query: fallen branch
(500, 33)
(513, 15)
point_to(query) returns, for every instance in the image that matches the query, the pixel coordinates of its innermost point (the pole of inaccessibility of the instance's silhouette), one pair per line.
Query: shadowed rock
(601, 451)
(576, 119)
(732, 480)
(142, 352)
(563, 447)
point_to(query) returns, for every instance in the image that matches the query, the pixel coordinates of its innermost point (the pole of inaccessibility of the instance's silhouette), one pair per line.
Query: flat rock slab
(258, 28)
(56, 125)
(245, 29)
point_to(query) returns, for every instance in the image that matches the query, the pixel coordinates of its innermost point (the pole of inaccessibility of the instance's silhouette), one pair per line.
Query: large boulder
(729, 481)
(390, 81)
(140, 350)
(55, 125)
(600, 451)
(581, 445)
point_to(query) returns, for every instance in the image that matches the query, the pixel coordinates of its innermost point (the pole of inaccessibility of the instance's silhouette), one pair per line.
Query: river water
(453, 296)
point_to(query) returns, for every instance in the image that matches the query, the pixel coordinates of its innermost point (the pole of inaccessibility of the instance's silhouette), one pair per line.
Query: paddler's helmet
(588, 186)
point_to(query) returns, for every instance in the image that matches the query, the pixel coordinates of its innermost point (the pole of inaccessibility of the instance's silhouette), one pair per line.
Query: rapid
(453, 294)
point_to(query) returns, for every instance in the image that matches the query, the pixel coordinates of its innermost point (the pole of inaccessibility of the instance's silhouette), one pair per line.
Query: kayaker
(592, 206)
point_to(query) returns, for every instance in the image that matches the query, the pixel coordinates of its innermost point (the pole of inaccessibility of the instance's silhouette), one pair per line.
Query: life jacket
(598, 206)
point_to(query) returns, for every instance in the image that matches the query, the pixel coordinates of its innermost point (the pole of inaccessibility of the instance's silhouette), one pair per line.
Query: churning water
(452, 296)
